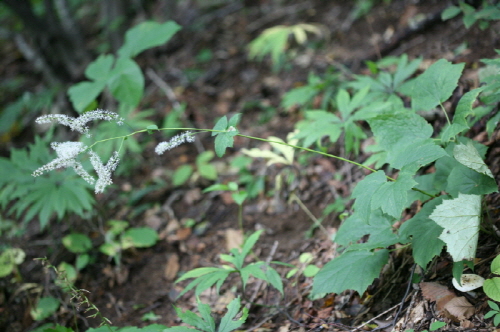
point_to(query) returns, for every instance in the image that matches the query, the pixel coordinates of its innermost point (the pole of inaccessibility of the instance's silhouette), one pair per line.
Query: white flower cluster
(79, 124)
(67, 152)
(175, 142)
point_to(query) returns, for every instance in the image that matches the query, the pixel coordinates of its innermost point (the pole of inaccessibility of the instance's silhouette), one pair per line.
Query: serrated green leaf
(391, 197)
(299, 96)
(229, 322)
(464, 180)
(352, 270)
(316, 125)
(406, 138)
(235, 119)
(434, 86)
(467, 155)
(460, 219)
(126, 82)
(224, 141)
(222, 124)
(147, 35)
(364, 191)
(492, 288)
(424, 234)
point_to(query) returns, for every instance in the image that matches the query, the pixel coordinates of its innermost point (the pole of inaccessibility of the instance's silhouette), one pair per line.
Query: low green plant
(434, 326)
(491, 286)
(59, 193)
(488, 11)
(229, 322)
(494, 312)
(274, 41)
(10, 258)
(204, 168)
(305, 268)
(206, 277)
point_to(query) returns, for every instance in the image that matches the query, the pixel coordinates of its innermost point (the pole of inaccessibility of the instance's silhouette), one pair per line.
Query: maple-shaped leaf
(460, 219)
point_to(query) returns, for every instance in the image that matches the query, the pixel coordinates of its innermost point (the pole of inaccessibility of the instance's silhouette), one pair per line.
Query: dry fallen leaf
(459, 308)
(172, 267)
(433, 291)
(234, 238)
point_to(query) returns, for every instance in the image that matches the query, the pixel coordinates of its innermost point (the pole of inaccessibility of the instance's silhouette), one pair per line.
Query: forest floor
(226, 83)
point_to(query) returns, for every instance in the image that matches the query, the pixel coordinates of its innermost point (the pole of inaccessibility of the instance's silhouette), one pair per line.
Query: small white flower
(175, 142)
(79, 124)
(103, 171)
(66, 157)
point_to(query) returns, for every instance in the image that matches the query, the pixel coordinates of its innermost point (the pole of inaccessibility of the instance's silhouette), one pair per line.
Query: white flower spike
(79, 124)
(175, 142)
(103, 171)
(66, 157)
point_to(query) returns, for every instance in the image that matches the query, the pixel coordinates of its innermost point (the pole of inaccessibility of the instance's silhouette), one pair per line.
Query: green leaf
(318, 124)
(150, 128)
(364, 191)
(298, 96)
(45, 307)
(406, 138)
(182, 174)
(222, 124)
(147, 35)
(495, 265)
(391, 197)
(274, 278)
(235, 119)
(126, 82)
(424, 234)
(450, 12)
(239, 197)
(248, 245)
(351, 270)
(436, 325)
(491, 288)
(100, 69)
(223, 141)
(434, 86)
(77, 243)
(467, 155)
(141, 237)
(493, 305)
(460, 219)
(229, 322)
(464, 180)
(83, 94)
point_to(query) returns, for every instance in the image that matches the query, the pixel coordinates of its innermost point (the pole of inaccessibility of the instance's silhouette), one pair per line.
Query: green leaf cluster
(205, 322)
(120, 74)
(206, 277)
(57, 193)
(405, 142)
(488, 11)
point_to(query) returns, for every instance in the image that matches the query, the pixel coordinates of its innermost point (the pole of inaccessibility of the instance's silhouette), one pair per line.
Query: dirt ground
(145, 280)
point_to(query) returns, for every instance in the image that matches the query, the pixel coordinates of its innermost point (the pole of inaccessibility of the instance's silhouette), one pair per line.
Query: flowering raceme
(175, 142)
(67, 152)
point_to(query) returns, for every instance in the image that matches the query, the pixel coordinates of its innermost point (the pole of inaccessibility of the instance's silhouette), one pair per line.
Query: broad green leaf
(492, 288)
(434, 86)
(222, 124)
(467, 155)
(147, 35)
(391, 197)
(495, 265)
(406, 138)
(126, 82)
(379, 228)
(450, 12)
(224, 141)
(229, 322)
(460, 219)
(182, 174)
(141, 237)
(464, 180)
(84, 93)
(100, 68)
(235, 119)
(424, 234)
(77, 243)
(45, 307)
(351, 270)
(364, 191)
